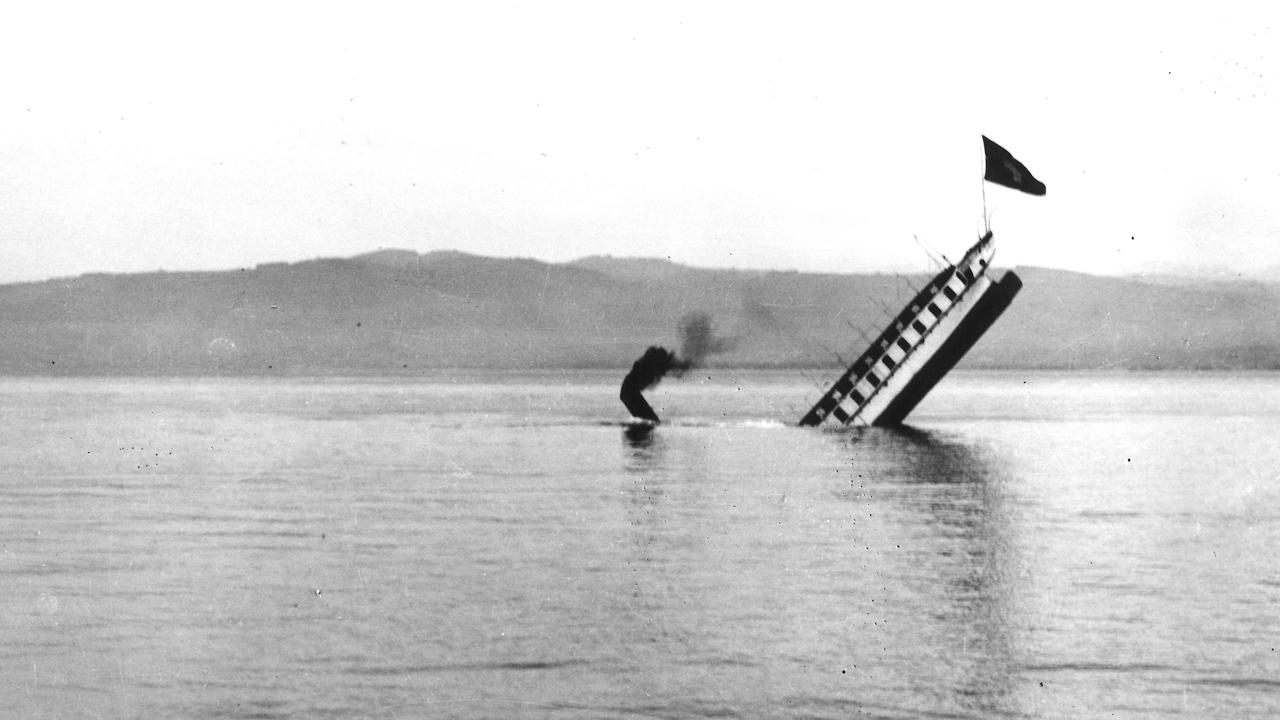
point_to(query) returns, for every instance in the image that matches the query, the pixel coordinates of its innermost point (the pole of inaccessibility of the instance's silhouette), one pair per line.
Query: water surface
(498, 545)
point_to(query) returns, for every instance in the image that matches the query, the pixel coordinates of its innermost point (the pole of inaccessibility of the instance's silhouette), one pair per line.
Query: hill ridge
(396, 311)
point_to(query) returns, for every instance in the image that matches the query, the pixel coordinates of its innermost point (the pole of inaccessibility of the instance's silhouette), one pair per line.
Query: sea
(506, 545)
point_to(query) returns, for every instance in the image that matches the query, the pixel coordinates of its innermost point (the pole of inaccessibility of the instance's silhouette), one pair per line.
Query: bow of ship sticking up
(920, 345)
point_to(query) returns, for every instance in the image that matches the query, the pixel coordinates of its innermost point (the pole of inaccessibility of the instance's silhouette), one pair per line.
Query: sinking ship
(935, 329)
(921, 344)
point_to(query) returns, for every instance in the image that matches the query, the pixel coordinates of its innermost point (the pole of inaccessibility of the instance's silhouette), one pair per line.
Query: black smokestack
(697, 340)
(645, 373)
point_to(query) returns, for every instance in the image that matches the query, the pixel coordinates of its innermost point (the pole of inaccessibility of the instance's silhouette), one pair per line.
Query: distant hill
(400, 312)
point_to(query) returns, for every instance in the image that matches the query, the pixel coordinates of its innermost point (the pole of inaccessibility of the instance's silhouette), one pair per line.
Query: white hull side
(916, 360)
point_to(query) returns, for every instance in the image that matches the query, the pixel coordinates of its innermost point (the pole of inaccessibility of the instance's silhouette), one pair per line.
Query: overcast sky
(815, 137)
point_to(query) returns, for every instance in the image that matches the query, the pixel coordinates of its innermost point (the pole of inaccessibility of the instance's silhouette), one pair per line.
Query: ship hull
(929, 370)
(921, 344)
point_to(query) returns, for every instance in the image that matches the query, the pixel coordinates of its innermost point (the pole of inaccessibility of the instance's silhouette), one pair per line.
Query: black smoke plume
(697, 340)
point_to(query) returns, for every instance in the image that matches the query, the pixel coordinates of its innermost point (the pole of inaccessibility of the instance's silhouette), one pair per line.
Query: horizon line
(1208, 273)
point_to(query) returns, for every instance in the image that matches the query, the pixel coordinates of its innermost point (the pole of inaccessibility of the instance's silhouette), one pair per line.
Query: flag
(1004, 169)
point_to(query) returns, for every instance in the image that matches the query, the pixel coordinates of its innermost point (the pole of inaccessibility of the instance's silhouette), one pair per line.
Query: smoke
(697, 340)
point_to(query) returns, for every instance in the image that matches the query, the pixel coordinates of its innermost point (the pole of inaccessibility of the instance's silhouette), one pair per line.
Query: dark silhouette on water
(645, 373)
(697, 340)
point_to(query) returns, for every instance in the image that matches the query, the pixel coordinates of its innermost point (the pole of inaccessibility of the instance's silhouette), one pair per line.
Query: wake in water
(768, 423)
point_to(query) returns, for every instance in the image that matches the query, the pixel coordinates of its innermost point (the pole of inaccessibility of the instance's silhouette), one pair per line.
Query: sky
(830, 137)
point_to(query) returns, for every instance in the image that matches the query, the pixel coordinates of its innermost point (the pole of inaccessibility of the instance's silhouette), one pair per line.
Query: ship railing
(920, 307)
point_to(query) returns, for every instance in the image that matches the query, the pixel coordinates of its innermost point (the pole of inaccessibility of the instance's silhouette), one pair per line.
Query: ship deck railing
(880, 348)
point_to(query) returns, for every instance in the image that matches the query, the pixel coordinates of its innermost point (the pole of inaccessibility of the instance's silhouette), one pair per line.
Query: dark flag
(1004, 169)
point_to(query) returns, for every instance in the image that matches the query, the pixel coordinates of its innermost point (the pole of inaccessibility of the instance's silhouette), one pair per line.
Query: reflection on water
(638, 434)
(643, 449)
(948, 498)
(886, 588)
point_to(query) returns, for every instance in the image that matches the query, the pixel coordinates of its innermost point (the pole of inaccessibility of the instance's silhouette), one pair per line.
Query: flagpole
(986, 221)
